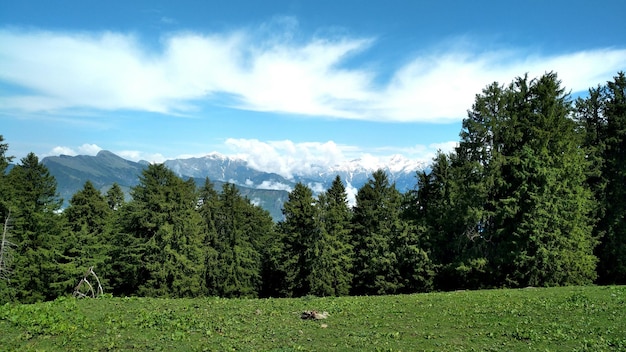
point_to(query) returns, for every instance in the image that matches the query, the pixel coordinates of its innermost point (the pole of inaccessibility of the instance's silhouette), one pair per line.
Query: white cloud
(266, 72)
(351, 193)
(285, 157)
(445, 147)
(256, 201)
(136, 155)
(289, 159)
(278, 186)
(85, 149)
(61, 150)
(89, 149)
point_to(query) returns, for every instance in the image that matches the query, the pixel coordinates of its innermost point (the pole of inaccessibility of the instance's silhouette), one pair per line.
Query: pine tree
(115, 197)
(209, 205)
(440, 211)
(87, 218)
(299, 232)
(166, 228)
(36, 229)
(612, 224)
(376, 225)
(532, 173)
(332, 252)
(240, 227)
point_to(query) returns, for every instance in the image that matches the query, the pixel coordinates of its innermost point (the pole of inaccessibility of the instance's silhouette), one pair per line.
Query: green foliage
(86, 242)
(331, 257)
(115, 197)
(602, 116)
(166, 236)
(534, 195)
(36, 229)
(300, 235)
(528, 214)
(239, 231)
(388, 255)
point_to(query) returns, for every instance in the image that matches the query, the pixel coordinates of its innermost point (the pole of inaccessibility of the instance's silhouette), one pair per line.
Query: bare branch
(6, 246)
(84, 288)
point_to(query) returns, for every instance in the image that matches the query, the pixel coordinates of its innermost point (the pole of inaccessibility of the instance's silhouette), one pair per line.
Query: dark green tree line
(532, 196)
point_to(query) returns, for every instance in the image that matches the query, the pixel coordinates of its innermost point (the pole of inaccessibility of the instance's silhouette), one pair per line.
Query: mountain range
(266, 189)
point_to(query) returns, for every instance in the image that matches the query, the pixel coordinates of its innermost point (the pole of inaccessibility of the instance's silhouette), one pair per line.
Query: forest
(533, 195)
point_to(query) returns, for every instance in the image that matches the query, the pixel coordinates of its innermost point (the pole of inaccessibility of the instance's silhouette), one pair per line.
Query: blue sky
(283, 83)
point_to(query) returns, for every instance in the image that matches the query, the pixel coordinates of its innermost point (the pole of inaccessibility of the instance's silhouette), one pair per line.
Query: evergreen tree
(376, 225)
(115, 197)
(7, 245)
(209, 211)
(166, 231)
(240, 228)
(438, 210)
(332, 253)
(531, 201)
(88, 219)
(612, 181)
(34, 204)
(299, 232)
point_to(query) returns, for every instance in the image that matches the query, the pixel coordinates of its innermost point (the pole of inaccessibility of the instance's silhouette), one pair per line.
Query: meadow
(591, 318)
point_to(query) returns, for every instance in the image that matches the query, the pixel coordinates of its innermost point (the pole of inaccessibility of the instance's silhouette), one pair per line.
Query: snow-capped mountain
(262, 187)
(355, 173)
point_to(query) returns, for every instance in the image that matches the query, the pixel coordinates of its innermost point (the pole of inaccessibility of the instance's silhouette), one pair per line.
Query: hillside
(546, 319)
(106, 168)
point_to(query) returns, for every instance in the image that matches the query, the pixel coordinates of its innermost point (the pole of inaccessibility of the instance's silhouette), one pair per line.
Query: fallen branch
(5, 251)
(81, 292)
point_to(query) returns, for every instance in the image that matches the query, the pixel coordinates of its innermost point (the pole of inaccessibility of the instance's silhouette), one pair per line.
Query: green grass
(550, 319)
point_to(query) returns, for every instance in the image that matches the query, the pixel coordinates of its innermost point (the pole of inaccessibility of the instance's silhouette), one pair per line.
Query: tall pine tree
(376, 225)
(166, 235)
(36, 230)
(332, 252)
(240, 228)
(603, 118)
(300, 233)
(531, 199)
(86, 245)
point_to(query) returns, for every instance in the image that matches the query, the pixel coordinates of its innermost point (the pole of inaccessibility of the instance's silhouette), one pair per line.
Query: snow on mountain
(354, 173)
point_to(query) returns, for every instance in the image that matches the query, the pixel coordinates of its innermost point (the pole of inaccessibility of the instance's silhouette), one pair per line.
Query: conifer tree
(531, 201)
(299, 232)
(86, 244)
(115, 197)
(332, 252)
(607, 106)
(166, 235)
(376, 224)
(239, 229)
(36, 230)
(209, 211)
(7, 246)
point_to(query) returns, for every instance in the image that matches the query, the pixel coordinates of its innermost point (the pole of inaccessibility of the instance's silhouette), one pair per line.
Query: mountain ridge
(266, 189)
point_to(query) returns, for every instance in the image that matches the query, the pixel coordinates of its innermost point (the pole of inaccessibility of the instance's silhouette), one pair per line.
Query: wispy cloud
(85, 149)
(275, 73)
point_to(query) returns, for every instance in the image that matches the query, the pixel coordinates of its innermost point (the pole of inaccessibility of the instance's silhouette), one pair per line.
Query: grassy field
(545, 319)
